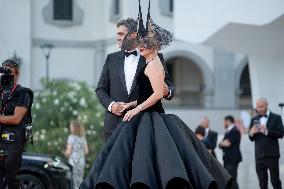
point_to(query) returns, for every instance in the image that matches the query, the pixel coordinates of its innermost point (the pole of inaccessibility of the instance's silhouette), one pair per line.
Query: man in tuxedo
(265, 130)
(200, 134)
(117, 84)
(211, 135)
(231, 148)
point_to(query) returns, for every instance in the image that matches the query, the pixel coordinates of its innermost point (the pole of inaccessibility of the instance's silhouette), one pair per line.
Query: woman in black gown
(150, 149)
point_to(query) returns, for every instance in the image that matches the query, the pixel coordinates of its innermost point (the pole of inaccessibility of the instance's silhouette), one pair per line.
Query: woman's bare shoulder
(154, 66)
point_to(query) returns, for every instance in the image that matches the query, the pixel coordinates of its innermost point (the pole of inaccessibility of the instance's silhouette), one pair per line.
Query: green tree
(54, 108)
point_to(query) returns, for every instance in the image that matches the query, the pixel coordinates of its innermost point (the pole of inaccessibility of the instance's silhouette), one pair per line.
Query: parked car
(41, 171)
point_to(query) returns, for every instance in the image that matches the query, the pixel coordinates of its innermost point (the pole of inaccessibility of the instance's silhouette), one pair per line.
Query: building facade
(83, 32)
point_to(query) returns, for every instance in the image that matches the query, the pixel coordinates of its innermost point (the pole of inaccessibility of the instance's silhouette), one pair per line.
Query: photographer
(265, 130)
(14, 120)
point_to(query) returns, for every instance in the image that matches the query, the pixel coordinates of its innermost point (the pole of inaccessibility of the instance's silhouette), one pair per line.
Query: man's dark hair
(130, 23)
(200, 130)
(230, 118)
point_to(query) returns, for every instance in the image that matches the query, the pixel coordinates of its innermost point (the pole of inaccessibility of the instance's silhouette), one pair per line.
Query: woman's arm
(155, 72)
(86, 149)
(168, 81)
(68, 150)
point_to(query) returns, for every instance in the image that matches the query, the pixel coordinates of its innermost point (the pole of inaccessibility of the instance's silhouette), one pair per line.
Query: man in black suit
(200, 134)
(117, 84)
(265, 130)
(231, 148)
(211, 135)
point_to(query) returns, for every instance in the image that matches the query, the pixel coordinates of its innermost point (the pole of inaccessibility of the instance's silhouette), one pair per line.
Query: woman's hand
(130, 114)
(127, 106)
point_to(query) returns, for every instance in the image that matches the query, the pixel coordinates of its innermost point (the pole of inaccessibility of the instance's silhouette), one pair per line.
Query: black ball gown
(155, 150)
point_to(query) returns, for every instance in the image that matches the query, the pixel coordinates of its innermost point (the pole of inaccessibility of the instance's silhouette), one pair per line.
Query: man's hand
(225, 143)
(263, 129)
(117, 107)
(166, 90)
(127, 106)
(254, 130)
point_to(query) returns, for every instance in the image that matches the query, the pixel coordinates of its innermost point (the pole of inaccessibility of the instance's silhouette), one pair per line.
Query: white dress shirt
(230, 128)
(206, 132)
(130, 66)
(263, 120)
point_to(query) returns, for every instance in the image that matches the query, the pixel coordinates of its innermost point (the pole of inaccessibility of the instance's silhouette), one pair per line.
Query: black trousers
(10, 166)
(232, 168)
(262, 167)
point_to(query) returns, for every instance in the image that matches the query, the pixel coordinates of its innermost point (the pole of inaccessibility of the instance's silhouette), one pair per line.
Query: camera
(256, 123)
(6, 78)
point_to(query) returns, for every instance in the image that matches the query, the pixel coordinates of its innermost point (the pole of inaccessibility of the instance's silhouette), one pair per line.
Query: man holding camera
(265, 130)
(14, 120)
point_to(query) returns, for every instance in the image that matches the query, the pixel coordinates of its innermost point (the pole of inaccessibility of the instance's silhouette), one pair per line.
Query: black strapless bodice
(145, 91)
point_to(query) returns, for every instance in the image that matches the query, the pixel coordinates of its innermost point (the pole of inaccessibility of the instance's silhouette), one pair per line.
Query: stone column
(224, 86)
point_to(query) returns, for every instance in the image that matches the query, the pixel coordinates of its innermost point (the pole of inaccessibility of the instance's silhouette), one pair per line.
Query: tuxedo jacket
(212, 137)
(112, 86)
(267, 145)
(232, 154)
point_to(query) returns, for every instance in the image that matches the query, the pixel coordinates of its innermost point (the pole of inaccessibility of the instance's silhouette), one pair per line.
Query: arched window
(188, 80)
(245, 98)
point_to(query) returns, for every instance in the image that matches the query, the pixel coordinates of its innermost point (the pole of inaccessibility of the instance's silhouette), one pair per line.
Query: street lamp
(46, 50)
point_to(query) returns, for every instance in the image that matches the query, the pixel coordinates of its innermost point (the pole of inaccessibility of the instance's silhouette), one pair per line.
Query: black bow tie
(129, 53)
(265, 115)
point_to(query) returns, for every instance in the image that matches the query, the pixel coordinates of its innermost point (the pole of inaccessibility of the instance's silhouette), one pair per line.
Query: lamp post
(46, 50)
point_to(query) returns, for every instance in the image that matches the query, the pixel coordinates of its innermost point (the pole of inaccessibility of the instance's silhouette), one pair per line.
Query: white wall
(15, 34)
(73, 64)
(204, 52)
(92, 27)
(195, 21)
(267, 75)
(112, 48)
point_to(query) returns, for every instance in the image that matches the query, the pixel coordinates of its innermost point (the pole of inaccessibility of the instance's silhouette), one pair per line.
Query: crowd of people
(264, 130)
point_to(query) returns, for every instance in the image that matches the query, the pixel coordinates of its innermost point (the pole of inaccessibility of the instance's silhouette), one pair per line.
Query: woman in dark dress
(150, 149)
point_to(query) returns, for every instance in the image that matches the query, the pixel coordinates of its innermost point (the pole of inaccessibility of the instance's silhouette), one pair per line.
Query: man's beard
(129, 43)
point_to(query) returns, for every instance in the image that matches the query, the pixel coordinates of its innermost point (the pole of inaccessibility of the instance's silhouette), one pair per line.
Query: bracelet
(140, 107)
